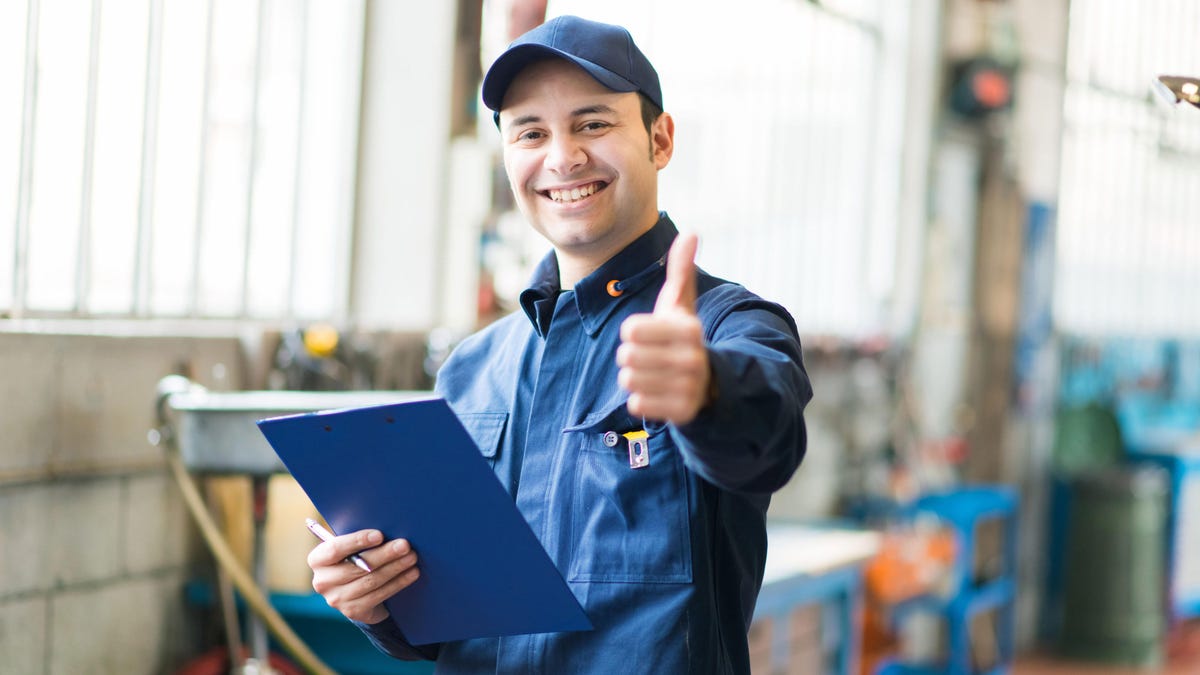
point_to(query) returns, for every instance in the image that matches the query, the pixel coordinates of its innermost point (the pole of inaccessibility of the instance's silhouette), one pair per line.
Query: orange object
(320, 340)
(613, 290)
(911, 562)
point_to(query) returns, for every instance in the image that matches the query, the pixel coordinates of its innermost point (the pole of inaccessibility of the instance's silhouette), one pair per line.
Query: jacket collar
(600, 293)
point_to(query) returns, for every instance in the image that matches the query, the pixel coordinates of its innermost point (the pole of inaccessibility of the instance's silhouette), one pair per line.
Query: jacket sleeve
(387, 638)
(752, 437)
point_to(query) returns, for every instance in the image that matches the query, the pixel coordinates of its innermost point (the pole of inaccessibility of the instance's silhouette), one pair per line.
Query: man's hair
(650, 111)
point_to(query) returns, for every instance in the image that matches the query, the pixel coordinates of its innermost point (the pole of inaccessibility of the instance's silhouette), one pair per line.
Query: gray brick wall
(95, 543)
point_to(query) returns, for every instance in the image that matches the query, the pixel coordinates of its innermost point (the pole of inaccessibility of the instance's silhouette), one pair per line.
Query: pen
(325, 535)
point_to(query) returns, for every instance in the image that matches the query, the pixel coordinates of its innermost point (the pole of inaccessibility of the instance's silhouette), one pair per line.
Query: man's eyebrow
(525, 119)
(598, 108)
(595, 109)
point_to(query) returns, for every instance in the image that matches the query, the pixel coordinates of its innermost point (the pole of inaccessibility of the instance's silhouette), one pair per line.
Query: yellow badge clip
(639, 448)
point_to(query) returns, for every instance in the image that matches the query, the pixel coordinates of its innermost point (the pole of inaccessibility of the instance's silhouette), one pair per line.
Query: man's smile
(573, 194)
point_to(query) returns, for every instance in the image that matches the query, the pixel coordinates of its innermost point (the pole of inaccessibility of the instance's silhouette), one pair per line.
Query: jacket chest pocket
(629, 524)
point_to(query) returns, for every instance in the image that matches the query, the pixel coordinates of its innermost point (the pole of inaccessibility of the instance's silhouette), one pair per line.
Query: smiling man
(640, 412)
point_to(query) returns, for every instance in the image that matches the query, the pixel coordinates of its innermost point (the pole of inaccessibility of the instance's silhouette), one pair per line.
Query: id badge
(639, 448)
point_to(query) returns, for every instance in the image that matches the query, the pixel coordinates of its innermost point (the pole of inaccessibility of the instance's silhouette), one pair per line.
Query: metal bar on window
(346, 225)
(83, 253)
(259, 48)
(870, 168)
(143, 271)
(872, 28)
(298, 173)
(25, 180)
(202, 170)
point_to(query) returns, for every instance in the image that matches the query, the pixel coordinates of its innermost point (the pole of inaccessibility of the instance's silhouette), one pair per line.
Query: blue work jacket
(666, 559)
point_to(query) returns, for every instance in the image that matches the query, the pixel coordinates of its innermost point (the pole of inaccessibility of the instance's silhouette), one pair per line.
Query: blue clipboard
(411, 470)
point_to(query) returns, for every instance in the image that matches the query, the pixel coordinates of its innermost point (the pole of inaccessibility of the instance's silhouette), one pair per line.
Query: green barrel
(1115, 567)
(1086, 437)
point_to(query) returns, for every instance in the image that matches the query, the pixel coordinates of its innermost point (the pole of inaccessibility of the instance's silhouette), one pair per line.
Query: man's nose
(565, 154)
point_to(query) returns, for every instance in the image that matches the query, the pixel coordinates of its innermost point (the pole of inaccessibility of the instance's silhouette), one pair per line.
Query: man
(661, 533)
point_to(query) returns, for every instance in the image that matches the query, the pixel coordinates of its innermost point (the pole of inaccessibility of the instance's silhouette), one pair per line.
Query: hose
(250, 591)
(224, 555)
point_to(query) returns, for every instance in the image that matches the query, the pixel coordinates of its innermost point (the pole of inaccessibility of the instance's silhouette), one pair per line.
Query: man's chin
(571, 233)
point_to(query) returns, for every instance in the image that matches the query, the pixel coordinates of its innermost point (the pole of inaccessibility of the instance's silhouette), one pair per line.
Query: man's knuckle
(335, 599)
(369, 582)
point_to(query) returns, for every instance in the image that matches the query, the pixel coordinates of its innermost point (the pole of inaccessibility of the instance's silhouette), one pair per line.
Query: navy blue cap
(605, 51)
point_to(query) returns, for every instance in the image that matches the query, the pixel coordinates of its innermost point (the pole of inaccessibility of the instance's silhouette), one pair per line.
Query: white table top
(803, 549)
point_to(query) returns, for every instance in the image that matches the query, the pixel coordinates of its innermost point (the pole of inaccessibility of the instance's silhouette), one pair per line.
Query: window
(177, 159)
(1128, 232)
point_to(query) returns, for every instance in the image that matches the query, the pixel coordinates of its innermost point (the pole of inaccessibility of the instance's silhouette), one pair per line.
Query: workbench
(810, 565)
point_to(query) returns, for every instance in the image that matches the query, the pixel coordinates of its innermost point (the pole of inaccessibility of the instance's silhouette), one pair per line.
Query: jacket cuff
(389, 639)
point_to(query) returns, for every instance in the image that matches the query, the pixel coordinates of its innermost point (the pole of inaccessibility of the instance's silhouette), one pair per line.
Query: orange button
(613, 290)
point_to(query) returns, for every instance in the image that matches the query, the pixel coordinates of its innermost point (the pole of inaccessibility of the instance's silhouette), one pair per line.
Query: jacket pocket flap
(617, 419)
(485, 429)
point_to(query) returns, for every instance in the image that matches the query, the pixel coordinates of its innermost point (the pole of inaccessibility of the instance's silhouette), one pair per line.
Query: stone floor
(1183, 658)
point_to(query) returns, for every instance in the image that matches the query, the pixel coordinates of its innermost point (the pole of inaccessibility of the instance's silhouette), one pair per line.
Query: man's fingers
(341, 547)
(658, 360)
(383, 556)
(657, 407)
(359, 595)
(678, 293)
(655, 382)
(382, 576)
(662, 328)
(393, 586)
(362, 599)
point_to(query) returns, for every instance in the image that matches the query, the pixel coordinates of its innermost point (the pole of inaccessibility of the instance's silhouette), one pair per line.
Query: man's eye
(595, 126)
(530, 136)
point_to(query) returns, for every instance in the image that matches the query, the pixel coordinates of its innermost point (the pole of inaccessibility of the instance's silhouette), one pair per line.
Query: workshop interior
(982, 214)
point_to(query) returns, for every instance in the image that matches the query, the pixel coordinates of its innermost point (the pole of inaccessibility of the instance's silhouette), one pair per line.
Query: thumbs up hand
(663, 360)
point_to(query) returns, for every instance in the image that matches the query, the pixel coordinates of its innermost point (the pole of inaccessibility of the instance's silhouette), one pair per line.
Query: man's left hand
(663, 360)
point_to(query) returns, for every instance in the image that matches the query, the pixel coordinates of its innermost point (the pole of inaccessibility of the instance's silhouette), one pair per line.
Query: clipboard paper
(412, 471)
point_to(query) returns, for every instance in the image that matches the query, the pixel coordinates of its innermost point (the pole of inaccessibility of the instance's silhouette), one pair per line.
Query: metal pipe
(259, 648)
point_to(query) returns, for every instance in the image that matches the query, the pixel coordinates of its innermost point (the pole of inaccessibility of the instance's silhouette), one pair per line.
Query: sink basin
(216, 431)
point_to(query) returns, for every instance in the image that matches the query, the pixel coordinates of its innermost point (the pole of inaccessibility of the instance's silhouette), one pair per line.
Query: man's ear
(662, 140)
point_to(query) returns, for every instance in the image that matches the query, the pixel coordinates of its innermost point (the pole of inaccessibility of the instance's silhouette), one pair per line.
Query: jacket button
(611, 439)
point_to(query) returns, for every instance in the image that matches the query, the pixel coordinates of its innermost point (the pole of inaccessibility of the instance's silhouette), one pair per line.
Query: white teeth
(574, 194)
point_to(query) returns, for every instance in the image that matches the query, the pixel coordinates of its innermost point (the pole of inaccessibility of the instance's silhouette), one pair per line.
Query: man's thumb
(679, 290)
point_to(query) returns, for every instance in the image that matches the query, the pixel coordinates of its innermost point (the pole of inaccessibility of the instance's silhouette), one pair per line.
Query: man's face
(581, 164)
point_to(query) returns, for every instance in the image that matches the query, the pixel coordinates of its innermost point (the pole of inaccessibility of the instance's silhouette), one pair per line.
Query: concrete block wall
(95, 542)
